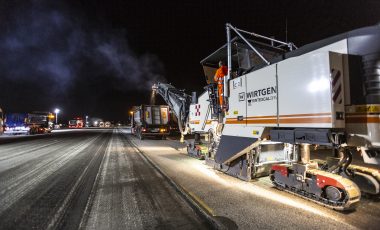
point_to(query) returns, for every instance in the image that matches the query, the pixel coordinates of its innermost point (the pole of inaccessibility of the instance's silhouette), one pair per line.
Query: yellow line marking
(200, 202)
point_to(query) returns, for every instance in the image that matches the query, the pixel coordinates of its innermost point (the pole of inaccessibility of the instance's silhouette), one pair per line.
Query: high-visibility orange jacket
(219, 78)
(220, 73)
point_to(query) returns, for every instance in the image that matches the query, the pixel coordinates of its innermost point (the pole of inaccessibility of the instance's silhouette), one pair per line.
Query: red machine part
(323, 181)
(283, 169)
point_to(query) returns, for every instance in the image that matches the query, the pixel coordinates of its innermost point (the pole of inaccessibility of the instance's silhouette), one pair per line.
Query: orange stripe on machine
(363, 119)
(284, 119)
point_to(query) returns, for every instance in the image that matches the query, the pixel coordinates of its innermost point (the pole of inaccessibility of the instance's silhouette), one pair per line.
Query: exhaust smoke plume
(53, 55)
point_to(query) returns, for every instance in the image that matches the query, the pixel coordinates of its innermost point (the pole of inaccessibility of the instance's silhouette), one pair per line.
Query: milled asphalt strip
(36, 176)
(91, 197)
(61, 211)
(28, 150)
(203, 212)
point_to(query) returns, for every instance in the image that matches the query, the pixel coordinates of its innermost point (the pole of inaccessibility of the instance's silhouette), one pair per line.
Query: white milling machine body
(281, 102)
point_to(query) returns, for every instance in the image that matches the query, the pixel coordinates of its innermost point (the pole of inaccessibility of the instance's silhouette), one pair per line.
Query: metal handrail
(290, 45)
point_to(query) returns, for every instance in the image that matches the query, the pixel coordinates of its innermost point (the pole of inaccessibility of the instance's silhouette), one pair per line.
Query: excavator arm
(178, 101)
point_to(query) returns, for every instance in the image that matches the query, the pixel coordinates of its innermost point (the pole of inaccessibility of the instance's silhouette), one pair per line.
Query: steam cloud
(49, 48)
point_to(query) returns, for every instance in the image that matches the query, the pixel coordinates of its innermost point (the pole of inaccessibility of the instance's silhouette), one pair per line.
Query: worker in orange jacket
(219, 78)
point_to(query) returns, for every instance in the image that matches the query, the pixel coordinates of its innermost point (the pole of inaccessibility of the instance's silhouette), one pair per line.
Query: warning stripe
(337, 93)
(335, 74)
(337, 86)
(197, 109)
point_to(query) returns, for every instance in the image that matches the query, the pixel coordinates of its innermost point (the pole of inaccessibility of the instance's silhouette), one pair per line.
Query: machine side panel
(261, 97)
(252, 99)
(304, 90)
(244, 131)
(337, 74)
(200, 115)
(237, 112)
(231, 145)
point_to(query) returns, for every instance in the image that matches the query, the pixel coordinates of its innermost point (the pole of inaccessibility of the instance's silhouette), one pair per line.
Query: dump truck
(28, 123)
(40, 122)
(150, 120)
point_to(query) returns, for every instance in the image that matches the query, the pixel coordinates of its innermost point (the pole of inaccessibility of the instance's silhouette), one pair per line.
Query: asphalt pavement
(89, 179)
(251, 205)
(109, 179)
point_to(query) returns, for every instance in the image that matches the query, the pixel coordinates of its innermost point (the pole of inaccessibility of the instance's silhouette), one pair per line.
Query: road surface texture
(90, 179)
(250, 205)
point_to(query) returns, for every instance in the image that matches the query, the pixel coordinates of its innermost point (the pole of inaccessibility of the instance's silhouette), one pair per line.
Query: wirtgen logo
(242, 96)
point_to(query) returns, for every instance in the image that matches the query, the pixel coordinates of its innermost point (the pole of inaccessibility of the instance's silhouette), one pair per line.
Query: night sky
(99, 58)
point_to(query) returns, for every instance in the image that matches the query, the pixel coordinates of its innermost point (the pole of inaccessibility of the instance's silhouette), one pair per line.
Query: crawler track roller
(308, 182)
(368, 179)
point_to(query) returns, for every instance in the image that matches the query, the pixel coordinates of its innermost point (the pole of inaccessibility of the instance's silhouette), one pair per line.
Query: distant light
(56, 111)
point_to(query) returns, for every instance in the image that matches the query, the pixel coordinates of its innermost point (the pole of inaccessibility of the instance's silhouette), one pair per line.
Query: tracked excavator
(284, 102)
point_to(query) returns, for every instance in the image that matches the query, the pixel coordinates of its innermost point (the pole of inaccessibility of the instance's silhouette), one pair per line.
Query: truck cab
(76, 123)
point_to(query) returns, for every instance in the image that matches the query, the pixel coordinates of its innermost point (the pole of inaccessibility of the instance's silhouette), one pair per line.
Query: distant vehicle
(150, 120)
(40, 122)
(28, 123)
(16, 123)
(76, 123)
(1, 122)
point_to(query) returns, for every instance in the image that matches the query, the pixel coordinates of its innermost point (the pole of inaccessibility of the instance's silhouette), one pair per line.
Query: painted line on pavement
(197, 206)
